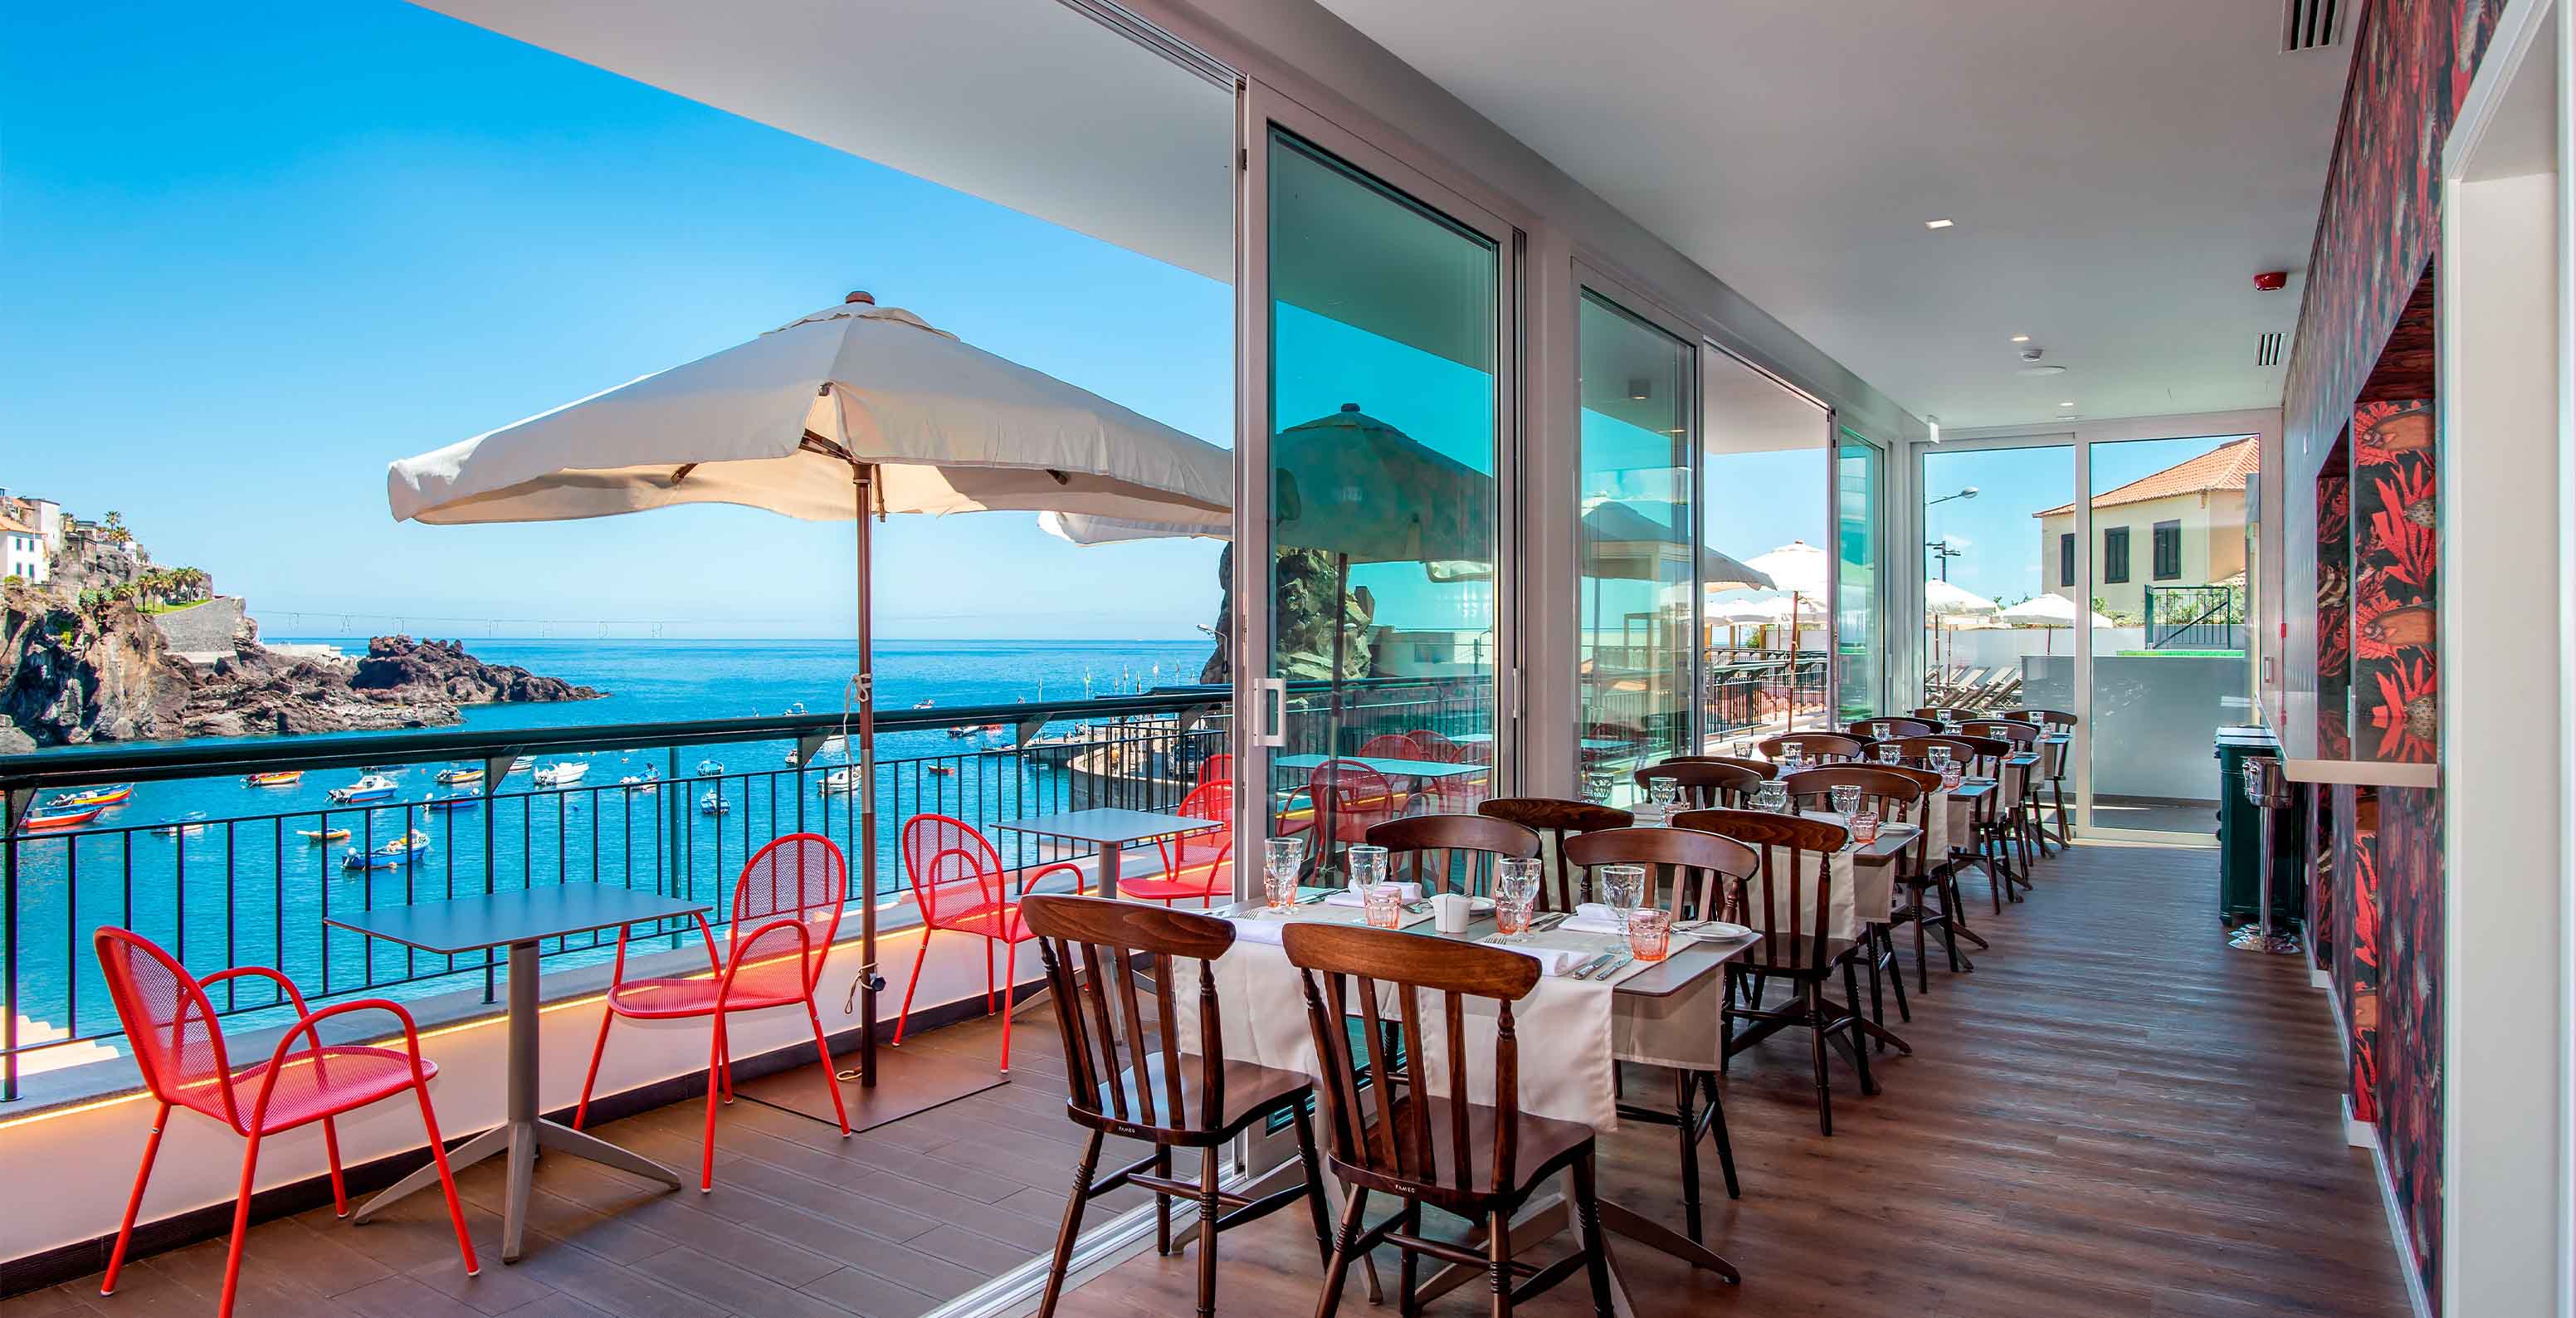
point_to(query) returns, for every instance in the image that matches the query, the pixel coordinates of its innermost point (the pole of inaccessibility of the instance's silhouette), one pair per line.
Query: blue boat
(395, 854)
(373, 787)
(457, 801)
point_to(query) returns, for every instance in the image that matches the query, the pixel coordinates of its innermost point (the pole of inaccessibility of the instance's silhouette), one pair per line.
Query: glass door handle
(1271, 726)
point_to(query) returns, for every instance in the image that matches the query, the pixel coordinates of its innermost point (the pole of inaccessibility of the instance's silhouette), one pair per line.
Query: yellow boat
(278, 778)
(318, 836)
(458, 777)
(82, 797)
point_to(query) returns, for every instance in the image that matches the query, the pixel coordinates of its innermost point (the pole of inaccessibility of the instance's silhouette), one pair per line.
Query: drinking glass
(1383, 903)
(1940, 758)
(1773, 797)
(1667, 795)
(1281, 860)
(1367, 865)
(1650, 933)
(1846, 800)
(1623, 887)
(1792, 761)
(1515, 897)
(1864, 828)
(1890, 755)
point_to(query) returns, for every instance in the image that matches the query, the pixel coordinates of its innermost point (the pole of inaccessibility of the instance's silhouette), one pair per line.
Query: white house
(22, 550)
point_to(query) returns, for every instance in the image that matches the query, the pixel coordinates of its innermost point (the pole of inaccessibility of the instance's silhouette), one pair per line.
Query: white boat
(831, 746)
(710, 769)
(712, 804)
(521, 765)
(642, 784)
(373, 787)
(192, 822)
(392, 854)
(562, 774)
(841, 782)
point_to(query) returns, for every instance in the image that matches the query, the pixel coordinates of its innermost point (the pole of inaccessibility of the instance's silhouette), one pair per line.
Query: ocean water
(241, 885)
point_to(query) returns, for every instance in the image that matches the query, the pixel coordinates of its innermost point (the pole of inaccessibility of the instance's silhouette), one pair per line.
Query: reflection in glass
(1763, 488)
(1633, 548)
(1857, 637)
(1383, 415)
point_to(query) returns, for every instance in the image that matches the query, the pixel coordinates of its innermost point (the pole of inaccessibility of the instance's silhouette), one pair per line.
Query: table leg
(523, 1132)
(1109, 862)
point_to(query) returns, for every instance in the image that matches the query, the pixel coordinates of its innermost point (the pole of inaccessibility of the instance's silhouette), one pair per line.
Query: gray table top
(1691, 961)
(1393, 768)
(470, 924)
(1113, 827)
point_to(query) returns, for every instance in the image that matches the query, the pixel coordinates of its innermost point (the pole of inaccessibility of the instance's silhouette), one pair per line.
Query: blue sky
(254, 256)
(2003, 558)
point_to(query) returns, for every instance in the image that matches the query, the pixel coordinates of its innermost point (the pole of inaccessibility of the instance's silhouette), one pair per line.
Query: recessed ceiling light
(2066, 404)
(1936, 224)
(2021, 338)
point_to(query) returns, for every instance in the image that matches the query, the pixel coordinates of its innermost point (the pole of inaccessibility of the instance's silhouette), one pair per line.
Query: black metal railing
(674, 808)
(2195, 617)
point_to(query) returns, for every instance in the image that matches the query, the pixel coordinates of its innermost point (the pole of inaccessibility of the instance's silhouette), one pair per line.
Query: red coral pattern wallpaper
(2395, 541)
(2334, 615)
(2409, 870)
(2357, 965)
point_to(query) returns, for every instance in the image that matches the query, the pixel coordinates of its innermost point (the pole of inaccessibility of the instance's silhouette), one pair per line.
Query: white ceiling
(2117, 172)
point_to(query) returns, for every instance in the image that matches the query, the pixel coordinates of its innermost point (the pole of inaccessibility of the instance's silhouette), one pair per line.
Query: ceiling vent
(2311, 24)
(2267, 349)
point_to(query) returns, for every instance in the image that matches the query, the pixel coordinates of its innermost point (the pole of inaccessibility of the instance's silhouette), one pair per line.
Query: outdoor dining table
(1389, 766)
(1572, 1035)
(1111, 830)
(517, 920)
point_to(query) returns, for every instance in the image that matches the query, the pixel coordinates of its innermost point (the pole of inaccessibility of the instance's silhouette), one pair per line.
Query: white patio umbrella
(1943, 600)
(2051, 611)
(852, 410)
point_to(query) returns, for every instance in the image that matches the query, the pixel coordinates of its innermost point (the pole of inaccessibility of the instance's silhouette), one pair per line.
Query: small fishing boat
(941, 770)
(455, 801)
(393, 854)
(712, 804)
(373, 787)
(458, 777)
(79, 797)
(831, 746)
(642, 784)
(994, 729)
(924, 703)
(840, 782)
(192, 822)
(710, 769)
(275, 778)
(563, 773)
(317, 836)
(523, 764)
(55, 815)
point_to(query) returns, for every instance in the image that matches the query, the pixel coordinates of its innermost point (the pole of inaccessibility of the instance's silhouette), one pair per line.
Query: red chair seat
(998, 920)
(662, 999)
(347, 1077)
(1199, 881)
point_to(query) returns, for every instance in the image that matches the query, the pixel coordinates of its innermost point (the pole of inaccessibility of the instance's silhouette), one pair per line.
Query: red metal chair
(1217, 768)
(1199, 865)
(1391, 746)
(180, 1050)
(1434, 746)
(786, 908)
(959, 884)
(1354, 796)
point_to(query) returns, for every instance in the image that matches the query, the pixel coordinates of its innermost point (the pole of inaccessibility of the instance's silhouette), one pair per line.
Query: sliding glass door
(1369, 541)
(1860, 641)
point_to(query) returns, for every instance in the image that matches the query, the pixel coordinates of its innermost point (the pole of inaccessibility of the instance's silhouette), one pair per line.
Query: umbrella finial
(861, 296)
(1350, 407)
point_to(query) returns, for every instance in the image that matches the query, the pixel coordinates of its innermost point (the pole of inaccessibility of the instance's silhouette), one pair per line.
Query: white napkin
(1351, 896)
(1551, 960)
(1595, 918)
(1249, 929)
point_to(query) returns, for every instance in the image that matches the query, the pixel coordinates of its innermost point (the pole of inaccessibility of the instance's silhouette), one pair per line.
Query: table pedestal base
(521, 1140)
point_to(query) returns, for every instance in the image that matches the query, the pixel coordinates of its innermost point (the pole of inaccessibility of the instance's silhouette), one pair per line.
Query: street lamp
(1940, 549)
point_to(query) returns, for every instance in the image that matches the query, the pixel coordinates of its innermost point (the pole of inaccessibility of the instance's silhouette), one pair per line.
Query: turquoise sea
(238, 884)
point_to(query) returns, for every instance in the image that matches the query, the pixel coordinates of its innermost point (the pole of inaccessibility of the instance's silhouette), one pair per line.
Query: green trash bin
(2240, 838)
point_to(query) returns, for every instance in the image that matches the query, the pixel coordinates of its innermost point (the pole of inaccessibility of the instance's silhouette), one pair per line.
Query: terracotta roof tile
(2222, 468)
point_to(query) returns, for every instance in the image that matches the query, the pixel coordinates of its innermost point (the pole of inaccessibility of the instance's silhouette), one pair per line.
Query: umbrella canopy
(1774, 609)
(1797, 566)
(1943, 600)
(852, 410)
(1629, 542)
(2047, 611)
(777, 423)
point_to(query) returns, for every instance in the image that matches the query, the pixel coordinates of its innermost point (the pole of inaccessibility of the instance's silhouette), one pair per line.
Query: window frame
(2115, 562)
(2165, 536)
(2066, 558)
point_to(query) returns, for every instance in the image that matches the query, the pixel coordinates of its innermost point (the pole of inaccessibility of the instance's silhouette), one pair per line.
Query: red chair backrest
(1354, 786)
(801, 875)
(1391, 746)
(1434, 746)
(949, 863)
(1199, 854)
(1216, 769)
(170, 1023)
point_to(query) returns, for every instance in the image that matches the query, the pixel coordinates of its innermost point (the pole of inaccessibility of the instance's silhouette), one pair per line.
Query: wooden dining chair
(1993, 843)
(1820, 747)
(1886, 726)
(1788, 899)
(1900, 797)
(1765, 769)
(1396, 1137)
(1451, 853)
(1129, 1076)
(1705, 784)
(2060, 722)
(1691, 870)
(2023, 811)
(1558, 820)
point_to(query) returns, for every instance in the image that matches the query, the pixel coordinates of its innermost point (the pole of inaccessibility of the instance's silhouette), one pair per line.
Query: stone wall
(199, 629)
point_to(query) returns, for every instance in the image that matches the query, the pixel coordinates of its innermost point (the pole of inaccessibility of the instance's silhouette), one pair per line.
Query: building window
(2115, 556)
(2168, 550)
(2066, 559)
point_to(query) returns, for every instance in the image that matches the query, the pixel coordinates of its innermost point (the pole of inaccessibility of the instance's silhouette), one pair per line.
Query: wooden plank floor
(2115, 1115)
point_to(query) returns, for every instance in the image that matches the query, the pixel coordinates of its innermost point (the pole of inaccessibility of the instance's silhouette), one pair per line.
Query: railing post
(9, 1014)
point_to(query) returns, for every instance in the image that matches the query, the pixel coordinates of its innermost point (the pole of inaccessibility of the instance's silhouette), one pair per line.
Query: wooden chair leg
(1315, 1205)
(1922, 975)
(1851, 1022)
(1683, 1083)
(1337, 1269)
(1071, 1229)
(1896, 974)
(1725, 1143)
(1816, 1055)
(1408, 1287)
(1208, 1209)
(1162, 1202)
(1498, 1256)
(1596, 1246)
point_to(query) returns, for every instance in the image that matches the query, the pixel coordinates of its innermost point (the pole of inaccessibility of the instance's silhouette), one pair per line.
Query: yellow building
(2183, 526)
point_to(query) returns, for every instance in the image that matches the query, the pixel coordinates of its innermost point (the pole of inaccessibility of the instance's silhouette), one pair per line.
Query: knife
(1599, 961)
(1548, 921)
(1618, 962)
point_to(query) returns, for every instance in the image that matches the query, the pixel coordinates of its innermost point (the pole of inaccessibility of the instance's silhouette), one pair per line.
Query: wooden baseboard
(63, 1263)
(2398, 1237)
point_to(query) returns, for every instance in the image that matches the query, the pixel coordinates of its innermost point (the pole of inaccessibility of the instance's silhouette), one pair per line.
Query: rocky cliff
(70, 675)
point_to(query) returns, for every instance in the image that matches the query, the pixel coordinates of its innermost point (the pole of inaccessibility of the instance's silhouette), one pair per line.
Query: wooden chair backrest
(1693, 869)
(1884, 727)
(2047, 718)
(1892, 792)
(1765, 768)
(1103, 1023)
(1814, 745)
(1705, 784)
(2019, 734)
(1559, 820)
(1451, 853)
(1383, 1138)
(1788, 899)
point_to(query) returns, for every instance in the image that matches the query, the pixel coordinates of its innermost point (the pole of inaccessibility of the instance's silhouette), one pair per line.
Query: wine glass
(1623, 887)
(1515, 897)
(1282, 859)
(1846, 800)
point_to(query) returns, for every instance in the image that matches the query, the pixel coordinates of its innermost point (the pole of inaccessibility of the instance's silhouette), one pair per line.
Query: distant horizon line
(818, 640)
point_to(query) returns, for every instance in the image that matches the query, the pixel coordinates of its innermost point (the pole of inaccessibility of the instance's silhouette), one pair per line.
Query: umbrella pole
(1333, 725)
(860, 479)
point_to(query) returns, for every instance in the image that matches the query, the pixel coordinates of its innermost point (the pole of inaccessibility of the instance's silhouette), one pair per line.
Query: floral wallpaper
(2395, 542)
(2409, 869)
(2334, 615)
